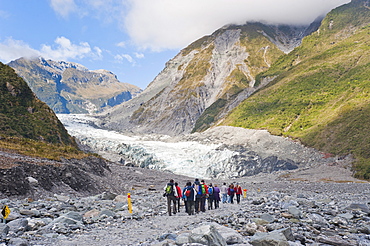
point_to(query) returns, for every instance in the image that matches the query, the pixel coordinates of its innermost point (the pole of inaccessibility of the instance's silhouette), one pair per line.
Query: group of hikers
(197, 194)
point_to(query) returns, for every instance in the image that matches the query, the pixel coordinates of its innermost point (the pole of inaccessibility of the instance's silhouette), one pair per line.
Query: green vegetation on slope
(322, 91)
(23, 116)
(261, 52)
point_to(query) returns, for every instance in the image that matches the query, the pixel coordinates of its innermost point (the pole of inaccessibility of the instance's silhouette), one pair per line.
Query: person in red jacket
(178, 197)
(238, 192)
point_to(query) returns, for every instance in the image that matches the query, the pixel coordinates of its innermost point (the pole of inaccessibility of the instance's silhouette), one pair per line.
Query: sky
(132, 38)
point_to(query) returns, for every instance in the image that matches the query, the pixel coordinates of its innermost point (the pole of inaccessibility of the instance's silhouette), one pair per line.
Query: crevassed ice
(186, 158)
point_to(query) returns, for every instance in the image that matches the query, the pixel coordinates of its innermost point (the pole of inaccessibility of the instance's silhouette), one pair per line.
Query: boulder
(271, 238)
(207, 235)
(4, 229)
(18, 225)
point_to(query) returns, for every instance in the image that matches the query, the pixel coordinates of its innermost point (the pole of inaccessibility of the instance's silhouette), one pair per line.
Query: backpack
(169, 190)
(188, 192)
(202, 189)
(210, 191)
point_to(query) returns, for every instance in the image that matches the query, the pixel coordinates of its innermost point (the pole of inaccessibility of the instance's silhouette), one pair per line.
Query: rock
(107, 213)
(61, 198)
(231, 236)
(316, 218)
(70, 218)
(251, 228)
(347, 216)
(4, 229)
(183, 238)
(358, 206)
(32, 181)
(170, 236)
(334, 240)
(120, 198)
(18, 225)
(295, 212)
(364, 229)
(272, 238)
(30, 213)
(18, 242)
(207, 235)
(35, 224)
(107, 196)
(268, 217)
(259, 221)
(287, 232)
(91, 214)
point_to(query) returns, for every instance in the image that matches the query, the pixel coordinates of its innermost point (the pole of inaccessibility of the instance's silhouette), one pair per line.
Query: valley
(281, 109)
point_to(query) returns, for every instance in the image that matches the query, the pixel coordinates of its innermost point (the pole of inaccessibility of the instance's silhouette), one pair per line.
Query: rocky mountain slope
(70, 87)
(218, 68)
(320, 92)
(23, 115)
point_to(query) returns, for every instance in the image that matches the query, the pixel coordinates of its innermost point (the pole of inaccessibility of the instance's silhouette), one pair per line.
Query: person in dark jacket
(190, 196)
(184, 197)
(231, 193)
(210, 196)
(171, 194)
(216, 196)
(198, 196)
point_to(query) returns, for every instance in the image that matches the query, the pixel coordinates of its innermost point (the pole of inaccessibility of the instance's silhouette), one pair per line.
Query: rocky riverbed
(317, 206)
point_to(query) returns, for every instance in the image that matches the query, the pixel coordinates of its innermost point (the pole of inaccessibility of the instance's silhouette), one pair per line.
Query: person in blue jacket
(190, 197)
(184, 197)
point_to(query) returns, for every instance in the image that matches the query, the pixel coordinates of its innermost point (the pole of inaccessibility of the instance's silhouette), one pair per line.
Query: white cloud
(121, 57)
(173, 24)
(121, 44)
(139, 55)
(12, 49)
(63, 49)
(63, 7)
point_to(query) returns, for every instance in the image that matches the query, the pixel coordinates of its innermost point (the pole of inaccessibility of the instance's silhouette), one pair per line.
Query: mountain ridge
(217, 66)
(69, 87)
(319, 92)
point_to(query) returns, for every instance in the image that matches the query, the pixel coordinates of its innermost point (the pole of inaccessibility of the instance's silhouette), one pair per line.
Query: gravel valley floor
(321, 205)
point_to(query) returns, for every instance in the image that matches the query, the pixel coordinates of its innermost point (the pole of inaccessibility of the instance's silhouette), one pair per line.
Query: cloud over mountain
(173, 24)
(62, 49)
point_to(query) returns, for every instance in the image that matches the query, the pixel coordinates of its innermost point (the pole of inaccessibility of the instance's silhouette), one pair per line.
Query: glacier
(222, 152)
(187, 158)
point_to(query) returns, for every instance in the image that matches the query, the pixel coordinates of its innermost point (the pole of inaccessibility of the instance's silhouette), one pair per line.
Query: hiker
(189, 197)
(224, 193)
(203, 189)
(231, 193)
(210, 196)
(216, 196)
(178, 197)
(171, 194)
(184, 197)
(198, 196)
(238, 192)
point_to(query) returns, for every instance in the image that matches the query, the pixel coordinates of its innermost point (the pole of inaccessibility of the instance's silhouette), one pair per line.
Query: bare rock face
(205, 80)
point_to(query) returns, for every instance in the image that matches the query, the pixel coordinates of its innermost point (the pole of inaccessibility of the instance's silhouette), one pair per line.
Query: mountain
(320, 92)
(70, 87)
(218, 70)
(23, 115)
